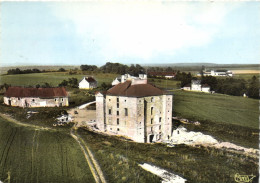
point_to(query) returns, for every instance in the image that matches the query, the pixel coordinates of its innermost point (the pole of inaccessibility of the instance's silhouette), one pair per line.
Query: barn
(36, 97)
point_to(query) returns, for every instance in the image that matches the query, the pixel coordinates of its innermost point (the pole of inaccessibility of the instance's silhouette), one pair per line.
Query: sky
(154, 32)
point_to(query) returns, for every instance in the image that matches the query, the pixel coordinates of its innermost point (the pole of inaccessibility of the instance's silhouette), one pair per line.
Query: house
(36, 97)
(222, 72)
(197, 86)
(125, 77)
(167, 75)
(137, 110)
(88, 83)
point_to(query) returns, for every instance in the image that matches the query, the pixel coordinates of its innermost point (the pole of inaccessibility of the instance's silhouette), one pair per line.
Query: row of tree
(115, 68)
(229, 86)
(18, 71)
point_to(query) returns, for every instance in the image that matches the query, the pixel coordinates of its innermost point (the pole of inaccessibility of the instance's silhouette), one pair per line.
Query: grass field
(40, 156)
(53, 78)
(228, 117)
(119, 160)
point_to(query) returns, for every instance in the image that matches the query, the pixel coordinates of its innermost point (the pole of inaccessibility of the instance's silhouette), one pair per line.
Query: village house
(36, 97)
(217, 73)
(197, 86)
(125, 77)
(167, 75)
(87, 83)
(137, 110)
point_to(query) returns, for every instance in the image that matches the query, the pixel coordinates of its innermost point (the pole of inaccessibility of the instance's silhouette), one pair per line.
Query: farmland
(31, 155)
(53, 78)
(119, 160)
(228, 117)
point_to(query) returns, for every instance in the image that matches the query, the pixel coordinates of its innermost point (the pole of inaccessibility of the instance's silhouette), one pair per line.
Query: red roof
(138, 90)
(36, 92)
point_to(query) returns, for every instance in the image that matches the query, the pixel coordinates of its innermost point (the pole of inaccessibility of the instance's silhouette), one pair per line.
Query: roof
(90, 79)
(137, 90)
(188, 85)
(36, 92)
(205, 85)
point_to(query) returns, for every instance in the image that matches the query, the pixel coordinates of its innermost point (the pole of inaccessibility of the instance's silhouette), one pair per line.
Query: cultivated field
(53, 78)
(30, 155)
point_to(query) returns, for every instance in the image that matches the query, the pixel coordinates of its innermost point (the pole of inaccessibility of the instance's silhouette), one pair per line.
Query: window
(117, 113)
(125, 100)
(62, 99)
(109, 111)
(117, 105)
(118, 129)
(151, 128)
(109, 100)
(151, 110)
(160, 119)
(160, 127)
(126, 112)
(33, 100)
(152, 99)
(55, 99)
(152, 121)
(117, 121)
(117, 99)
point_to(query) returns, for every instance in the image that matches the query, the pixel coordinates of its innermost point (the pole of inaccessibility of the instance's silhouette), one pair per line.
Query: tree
(61, 70)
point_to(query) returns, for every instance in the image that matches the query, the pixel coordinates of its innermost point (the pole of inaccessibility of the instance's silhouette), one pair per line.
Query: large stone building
(36, 97)
(136, 110)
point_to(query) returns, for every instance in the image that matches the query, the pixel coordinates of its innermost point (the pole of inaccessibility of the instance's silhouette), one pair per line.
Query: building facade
(197, 86)
(36, 97)
(88, 83)
(136, 110)
(127, 77)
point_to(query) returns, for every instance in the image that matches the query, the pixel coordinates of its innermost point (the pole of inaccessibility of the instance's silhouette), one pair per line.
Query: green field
(119, 160)
(53, 78)
(40, 156)
(228, 118)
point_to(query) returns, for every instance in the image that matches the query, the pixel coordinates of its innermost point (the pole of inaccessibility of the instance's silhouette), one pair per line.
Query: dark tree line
(18, 71)
(232, 86)
(115, 68)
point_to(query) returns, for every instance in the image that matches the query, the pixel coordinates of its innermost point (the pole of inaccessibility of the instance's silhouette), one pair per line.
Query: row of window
(117, 112)
(160, 120)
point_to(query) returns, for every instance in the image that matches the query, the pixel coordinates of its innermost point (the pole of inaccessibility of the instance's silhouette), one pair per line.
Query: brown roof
(90, 79)
(138, 90)
(35, 92)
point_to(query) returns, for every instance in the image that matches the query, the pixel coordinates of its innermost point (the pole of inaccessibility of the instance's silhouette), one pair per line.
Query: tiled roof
(138, 90)
(36, 92)
(90, 79)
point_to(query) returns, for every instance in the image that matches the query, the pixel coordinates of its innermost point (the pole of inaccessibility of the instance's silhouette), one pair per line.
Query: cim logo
(243, 178)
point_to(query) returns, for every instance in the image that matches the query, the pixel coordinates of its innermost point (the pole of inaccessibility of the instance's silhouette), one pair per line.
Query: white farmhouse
(197, 86)
(125, 77)
(136, 110)
(88, 83)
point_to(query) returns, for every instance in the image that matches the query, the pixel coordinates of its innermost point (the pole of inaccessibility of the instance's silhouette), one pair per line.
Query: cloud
(143, 29)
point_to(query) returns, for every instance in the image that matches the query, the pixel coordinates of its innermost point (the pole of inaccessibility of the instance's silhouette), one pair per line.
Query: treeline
(229, 86)
(115, 68)
(27, 71)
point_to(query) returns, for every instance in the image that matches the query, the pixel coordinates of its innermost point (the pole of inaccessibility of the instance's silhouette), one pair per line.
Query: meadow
(228, 117)
(30, 155)
(53, 78)
(119, 160)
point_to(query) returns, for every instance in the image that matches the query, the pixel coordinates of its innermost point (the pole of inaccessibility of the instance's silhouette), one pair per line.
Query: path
(93, 164)
(14, 121)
